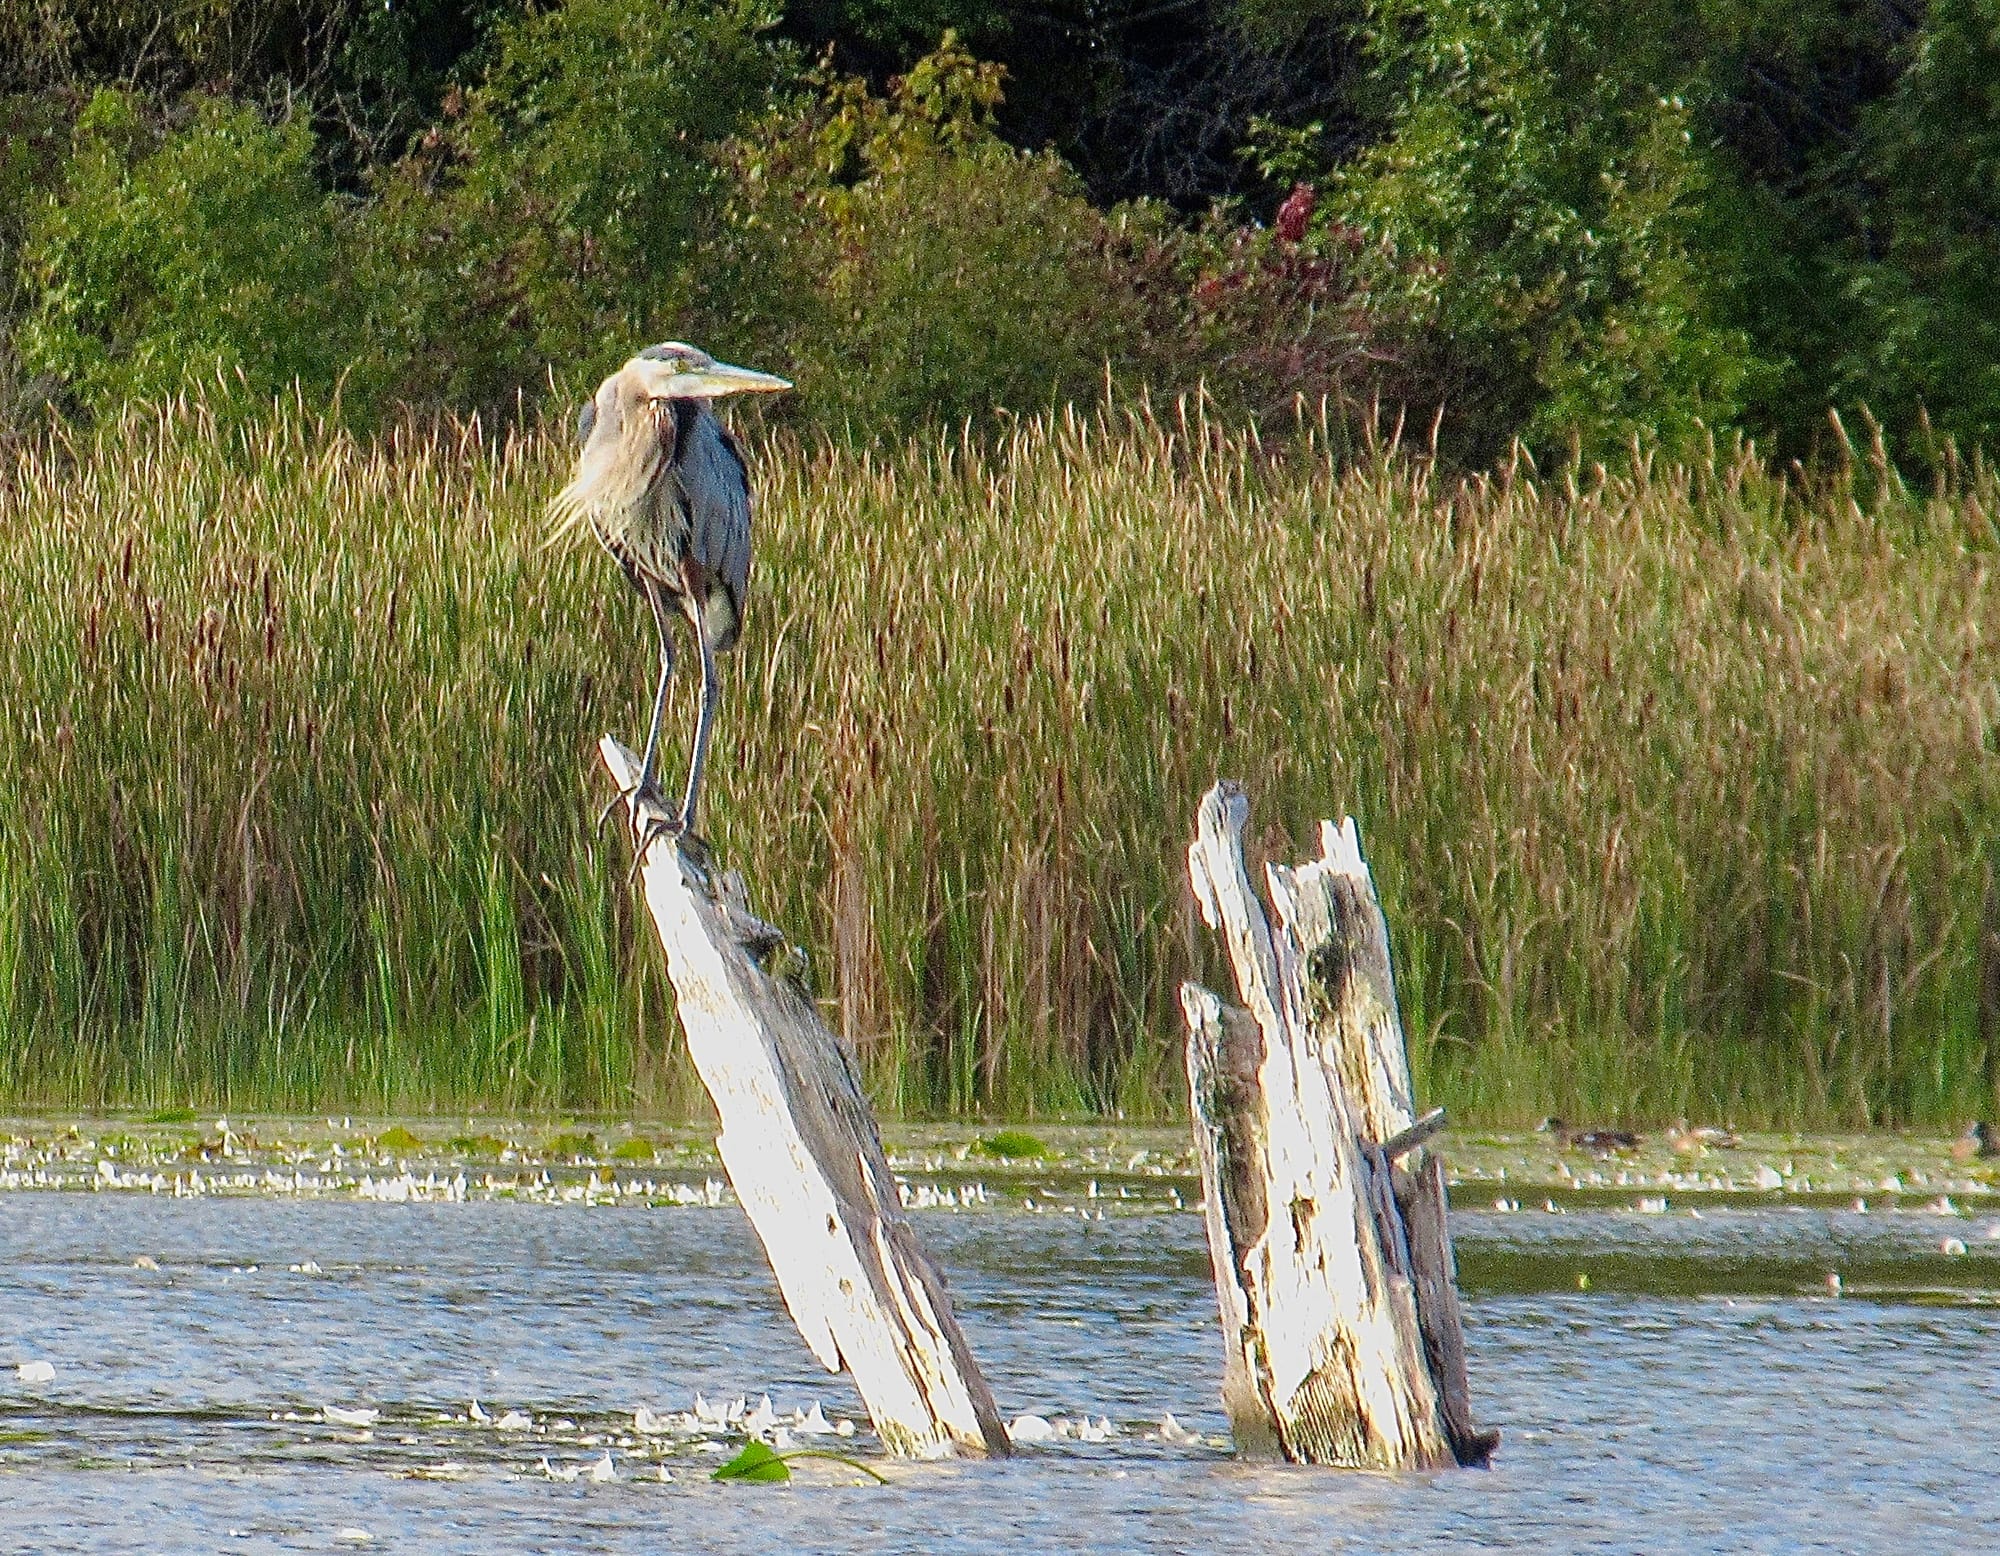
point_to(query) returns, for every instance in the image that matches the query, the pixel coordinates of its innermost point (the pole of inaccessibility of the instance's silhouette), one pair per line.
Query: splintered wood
(1333, 1263)
(804, 1154)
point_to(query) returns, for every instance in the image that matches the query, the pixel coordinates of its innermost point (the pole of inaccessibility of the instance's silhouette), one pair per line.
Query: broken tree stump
(1325, 1210)
(804, 1154)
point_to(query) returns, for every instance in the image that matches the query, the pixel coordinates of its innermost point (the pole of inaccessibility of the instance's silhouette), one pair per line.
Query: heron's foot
(644, 798)
(651, 823)
(697, 849)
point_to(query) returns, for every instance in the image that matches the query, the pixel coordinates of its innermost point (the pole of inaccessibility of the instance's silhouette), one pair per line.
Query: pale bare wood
(804, 1153)
(1225, 1050)
(1328, 1294)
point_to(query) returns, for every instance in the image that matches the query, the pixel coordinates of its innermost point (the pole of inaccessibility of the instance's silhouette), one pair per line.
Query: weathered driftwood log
(1326, 1213)
(805, 1156)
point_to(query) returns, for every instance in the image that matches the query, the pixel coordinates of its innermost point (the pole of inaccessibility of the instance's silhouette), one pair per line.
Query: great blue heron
(661, 484)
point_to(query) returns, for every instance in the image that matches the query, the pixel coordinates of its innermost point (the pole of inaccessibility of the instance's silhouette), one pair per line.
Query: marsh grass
(1679, 784)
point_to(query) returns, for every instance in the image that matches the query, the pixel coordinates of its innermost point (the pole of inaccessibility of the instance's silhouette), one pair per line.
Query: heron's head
(674, 371)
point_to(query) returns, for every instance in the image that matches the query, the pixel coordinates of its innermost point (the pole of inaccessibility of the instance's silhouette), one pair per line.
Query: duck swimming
(1694, 1140)
(1980, 1140)
(1600, 1142)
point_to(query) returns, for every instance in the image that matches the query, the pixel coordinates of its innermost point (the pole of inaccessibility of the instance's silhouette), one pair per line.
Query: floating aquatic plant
(1014, 1145)
(762, 1464)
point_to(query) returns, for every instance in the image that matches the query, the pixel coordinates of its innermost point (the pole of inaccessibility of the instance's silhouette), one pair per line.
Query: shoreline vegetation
(1066, 1169)
(1678, 783)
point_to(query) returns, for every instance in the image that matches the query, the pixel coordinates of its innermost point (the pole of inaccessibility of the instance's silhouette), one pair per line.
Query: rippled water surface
(1663, 1381)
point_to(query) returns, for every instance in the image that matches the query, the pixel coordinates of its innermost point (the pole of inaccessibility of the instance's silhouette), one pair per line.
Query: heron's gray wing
(586, 420)
(717, 488)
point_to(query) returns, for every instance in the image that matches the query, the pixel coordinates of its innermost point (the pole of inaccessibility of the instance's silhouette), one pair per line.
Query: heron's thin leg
(647, 764)
(711, 688)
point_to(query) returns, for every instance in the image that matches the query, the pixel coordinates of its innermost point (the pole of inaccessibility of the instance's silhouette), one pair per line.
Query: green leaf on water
(757, 1462)
(398, 1139)
(637, 1149)
(170, 1116)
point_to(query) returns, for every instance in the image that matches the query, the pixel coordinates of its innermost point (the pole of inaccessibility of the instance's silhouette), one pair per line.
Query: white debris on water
(1040, 1429)
(35, 1372)
(362, 1417)
(814, 1423)
(447, 1470)
(647, 1424)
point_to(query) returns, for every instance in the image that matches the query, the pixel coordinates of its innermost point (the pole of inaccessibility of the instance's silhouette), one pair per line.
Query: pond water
(1663, 1380)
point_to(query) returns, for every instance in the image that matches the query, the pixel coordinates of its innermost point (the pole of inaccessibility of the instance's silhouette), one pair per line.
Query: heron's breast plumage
(649, 531)
(663, 488)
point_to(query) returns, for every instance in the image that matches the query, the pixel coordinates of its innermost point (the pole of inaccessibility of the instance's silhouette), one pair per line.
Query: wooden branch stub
(1334, 1278)
(805, 1156)
(1421, 1132)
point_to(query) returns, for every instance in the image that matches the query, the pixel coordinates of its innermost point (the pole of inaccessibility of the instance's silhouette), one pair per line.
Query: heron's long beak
(710, 383)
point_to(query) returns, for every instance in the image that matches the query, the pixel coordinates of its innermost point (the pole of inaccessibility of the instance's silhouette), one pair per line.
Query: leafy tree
(553, 217)
(906, 264)
(1539, 201)
(210, 250)
(1928, 285)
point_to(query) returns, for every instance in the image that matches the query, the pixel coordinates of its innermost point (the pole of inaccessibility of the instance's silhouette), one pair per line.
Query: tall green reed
(1679, 783)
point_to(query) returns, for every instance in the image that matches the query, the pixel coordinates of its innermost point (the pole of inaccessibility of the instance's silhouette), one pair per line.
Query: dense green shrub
(1927, 284)
(34, 140)
(905, 264)
(554, 216)
(1538, 200)
(209, 251)
(1553, 218)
